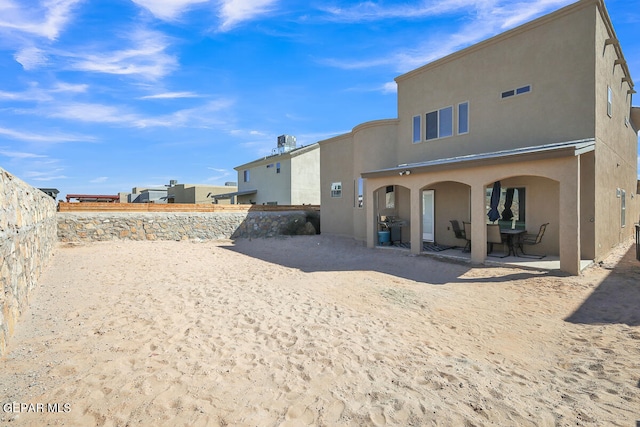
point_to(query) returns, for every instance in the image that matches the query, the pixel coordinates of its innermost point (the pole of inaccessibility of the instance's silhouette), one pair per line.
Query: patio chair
(494, 236)
(532, 240)
(467, 235)
(459, 233)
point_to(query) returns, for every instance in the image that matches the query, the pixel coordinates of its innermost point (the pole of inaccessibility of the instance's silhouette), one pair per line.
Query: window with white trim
(417, 129)
(336, 189)
(246, 175)
(463, 118)
(439, 123)
(518, 91)
(359, 193)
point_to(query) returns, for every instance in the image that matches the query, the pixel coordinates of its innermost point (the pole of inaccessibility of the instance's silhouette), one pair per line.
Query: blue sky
(100, 96)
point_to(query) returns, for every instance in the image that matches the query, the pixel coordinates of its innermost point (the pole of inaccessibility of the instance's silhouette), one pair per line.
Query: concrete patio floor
(549, 262)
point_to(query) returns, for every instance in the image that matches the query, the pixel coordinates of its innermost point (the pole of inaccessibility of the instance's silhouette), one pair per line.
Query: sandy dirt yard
(320, 331)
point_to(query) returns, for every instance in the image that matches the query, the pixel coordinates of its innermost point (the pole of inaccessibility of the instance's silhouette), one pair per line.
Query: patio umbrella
(495, 199)
(508, 201)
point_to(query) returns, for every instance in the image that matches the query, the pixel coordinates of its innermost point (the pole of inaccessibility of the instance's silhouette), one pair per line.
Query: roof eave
(543, 152)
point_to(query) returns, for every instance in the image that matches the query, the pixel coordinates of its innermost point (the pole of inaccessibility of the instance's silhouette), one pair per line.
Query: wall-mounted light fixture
(406, 172)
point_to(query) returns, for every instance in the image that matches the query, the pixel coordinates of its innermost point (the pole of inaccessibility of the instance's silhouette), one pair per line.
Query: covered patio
(457, 254)
(546, 184)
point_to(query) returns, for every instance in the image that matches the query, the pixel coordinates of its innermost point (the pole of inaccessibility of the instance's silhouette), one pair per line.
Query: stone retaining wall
(27, 239)
(94, 226)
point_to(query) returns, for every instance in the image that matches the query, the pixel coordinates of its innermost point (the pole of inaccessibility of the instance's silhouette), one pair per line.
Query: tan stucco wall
(616, 148)
(373, 148)
(305, 178)
(271, 186)
(196, 193)
(297, 183)
(336, 160)
(564, 59)
(548, 54)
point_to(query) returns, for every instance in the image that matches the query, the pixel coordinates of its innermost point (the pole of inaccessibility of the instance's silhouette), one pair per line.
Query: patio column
(478, 224)
(416, 220)
(569, 221)
(371, 222)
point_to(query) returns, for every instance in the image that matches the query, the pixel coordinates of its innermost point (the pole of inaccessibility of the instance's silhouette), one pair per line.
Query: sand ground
(320, 331)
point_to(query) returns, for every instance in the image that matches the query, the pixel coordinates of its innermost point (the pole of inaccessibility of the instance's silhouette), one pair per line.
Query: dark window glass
(431, 125)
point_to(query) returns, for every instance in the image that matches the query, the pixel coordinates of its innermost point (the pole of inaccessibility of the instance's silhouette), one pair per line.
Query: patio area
(456, 253)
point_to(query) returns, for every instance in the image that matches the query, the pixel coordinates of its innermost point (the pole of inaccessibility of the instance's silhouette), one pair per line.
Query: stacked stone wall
(27, 239)
(102, 226)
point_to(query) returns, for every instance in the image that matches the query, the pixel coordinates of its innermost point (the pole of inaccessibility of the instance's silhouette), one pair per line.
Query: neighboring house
(148, 195)
(290, 177)
(544, 108)
(53, 192)
(198, 193)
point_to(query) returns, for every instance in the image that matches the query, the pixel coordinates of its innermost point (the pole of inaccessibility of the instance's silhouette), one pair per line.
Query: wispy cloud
(171, 95)
(146, 58)
(370, 11)
(220, 174)
(205, 115)
(48, 175)
(92, 113)
(37, 93)
(233, 12)
(43, 18)
(486, 18)
(43, 138)
(31, 58)
(99, 180)
(168, 10)
(20, 155)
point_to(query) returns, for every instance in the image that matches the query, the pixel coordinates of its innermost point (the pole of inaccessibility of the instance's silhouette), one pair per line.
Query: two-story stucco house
(545, 109)
(290, 176)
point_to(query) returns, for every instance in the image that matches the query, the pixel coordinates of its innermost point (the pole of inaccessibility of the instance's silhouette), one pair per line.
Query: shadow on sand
(323, 253)
(617, 298)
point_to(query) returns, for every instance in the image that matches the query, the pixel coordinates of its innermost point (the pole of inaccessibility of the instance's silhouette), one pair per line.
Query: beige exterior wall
(616, 146)
(271, 186)
(297, 183)
(336, 160)
(373, 144)
(305, 178)
(196, 193)
(565, 60)
(558, 108)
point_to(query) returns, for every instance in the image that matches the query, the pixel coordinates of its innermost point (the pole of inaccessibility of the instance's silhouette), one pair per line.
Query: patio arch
(392, 201)
(562, 173)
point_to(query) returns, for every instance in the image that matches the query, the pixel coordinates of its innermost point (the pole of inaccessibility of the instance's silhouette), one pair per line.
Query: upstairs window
(463, 118)
(439, 123)
(609, 101)
(278, 167)
(246, 176)
(513, 92)
(417, 131)
(431, 125)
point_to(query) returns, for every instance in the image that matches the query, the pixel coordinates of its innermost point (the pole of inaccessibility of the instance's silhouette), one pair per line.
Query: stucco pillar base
(478, 225)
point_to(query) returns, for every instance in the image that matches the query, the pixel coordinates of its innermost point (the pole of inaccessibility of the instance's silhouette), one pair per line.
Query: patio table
(512, 234)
